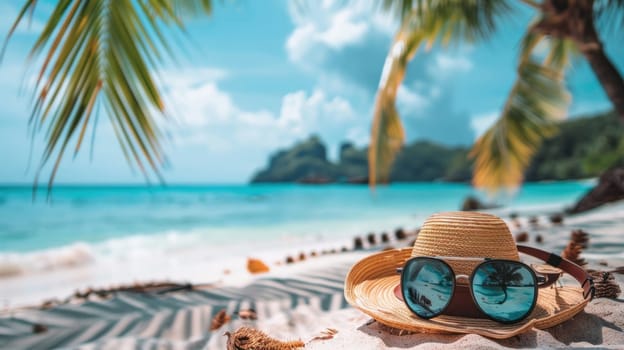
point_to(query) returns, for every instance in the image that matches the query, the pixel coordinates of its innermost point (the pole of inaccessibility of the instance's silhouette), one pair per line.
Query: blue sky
(260, 75)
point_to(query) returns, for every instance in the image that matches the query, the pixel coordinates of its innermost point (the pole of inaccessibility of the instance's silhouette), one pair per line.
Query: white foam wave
(126, 250)
(142, 253)
(77, 254)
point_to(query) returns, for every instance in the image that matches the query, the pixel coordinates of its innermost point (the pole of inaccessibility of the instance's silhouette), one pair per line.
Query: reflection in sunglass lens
(427, 286)
(504, 290)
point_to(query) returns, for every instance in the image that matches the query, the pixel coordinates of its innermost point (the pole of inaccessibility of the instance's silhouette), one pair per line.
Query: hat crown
(465, 234)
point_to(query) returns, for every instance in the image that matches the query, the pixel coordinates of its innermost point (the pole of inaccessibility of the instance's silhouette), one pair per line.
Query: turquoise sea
(104, 235)
(93, 214)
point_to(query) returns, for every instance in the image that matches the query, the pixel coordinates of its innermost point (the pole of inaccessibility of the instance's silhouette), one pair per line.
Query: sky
(257, 76)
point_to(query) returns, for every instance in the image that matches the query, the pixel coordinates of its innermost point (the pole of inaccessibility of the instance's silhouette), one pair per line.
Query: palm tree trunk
(575, 20)
(609, 77)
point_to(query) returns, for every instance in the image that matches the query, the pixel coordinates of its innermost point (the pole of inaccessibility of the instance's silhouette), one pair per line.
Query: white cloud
(481, 122)
(303, 115)
(445, 66)
(209, 115)
(410, 101)
(341, 29)
(333, 25)
(359, 136)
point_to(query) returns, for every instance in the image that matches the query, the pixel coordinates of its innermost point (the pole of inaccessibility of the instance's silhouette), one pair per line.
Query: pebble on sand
(400, 234)
(385, 238)
(522, 237)
(358, 244)
(556, 219)
(372, 240)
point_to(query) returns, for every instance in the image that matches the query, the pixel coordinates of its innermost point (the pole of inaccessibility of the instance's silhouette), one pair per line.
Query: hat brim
(370, 284)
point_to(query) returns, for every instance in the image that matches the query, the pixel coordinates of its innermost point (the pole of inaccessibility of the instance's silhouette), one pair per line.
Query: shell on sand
(256, 266)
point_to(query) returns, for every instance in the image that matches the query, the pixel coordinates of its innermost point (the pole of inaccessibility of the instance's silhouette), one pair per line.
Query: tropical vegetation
(584, 148)
(537, 100)
(103, 54)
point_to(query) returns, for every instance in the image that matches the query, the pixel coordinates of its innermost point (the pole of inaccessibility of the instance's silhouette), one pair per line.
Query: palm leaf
(102, 53)
(400, 8)
(610, 15)
(387, 134)
(427, 21)
(451, 19)
(537, 102)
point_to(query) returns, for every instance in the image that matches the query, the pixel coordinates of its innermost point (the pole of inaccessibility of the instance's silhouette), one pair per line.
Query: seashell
(256, 266)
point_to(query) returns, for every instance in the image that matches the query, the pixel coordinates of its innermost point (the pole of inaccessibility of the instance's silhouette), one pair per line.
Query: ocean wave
(79, 254)
(172, 247)
(131, 250)
(74, 255)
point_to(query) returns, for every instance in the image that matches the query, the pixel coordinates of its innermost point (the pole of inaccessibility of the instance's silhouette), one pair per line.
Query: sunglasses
(505, 291)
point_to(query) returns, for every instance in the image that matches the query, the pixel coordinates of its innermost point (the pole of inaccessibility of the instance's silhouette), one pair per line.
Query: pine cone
(605, 284)
(219, 320)
(246, 338)
(580, 237)
(572, 252)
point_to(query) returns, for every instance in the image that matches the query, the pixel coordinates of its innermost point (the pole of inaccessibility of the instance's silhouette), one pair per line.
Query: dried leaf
(325, 335)
(572, 252)
(248, 314)
(619, 270)
(219, 320)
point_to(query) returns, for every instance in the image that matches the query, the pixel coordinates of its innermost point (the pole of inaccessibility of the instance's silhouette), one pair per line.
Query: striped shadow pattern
(175, 320)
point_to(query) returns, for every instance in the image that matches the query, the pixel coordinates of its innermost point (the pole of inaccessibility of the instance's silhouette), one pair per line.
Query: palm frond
(537, 101)
(609, 15)
(102, 53)
(193, 7)
(400, 8)
(387, 135)
(427, 21)
(448, 20)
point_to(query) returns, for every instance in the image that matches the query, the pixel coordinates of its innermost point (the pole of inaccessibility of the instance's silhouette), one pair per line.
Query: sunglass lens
(504, 290)
(427, 286)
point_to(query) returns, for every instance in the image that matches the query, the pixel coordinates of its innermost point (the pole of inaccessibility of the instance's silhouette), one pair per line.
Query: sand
(601, 325)
(300, 301)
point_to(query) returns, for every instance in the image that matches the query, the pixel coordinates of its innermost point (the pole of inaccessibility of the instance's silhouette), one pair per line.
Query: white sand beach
(301, 300)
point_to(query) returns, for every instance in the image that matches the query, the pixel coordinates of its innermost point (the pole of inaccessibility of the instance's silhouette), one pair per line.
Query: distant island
(585, 147)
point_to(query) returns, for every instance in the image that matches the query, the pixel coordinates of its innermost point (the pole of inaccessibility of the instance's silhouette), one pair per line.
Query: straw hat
(370, 284)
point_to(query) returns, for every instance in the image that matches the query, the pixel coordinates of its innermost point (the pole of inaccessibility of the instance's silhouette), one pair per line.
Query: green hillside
(585, 147)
